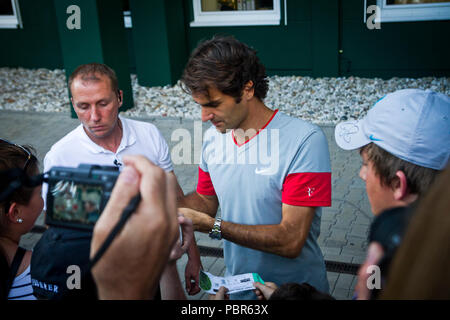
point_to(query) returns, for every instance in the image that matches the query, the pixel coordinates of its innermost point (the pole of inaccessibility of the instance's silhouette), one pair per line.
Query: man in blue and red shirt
(270, 173)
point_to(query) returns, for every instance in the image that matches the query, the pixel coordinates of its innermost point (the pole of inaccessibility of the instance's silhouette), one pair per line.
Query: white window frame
(127, 22)
(413, 12)
(12, 21)
(235, 18)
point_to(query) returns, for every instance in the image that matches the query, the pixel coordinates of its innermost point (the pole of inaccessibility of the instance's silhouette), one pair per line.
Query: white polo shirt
(139, 138)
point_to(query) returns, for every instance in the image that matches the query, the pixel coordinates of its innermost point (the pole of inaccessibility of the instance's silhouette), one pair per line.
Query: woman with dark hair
(18, 214)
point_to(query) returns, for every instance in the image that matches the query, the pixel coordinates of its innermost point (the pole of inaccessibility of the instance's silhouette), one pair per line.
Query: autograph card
(211, 283)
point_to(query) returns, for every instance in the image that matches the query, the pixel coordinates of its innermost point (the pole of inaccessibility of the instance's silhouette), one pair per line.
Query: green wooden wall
(317, 30)
(159, 40)
(101, 38)
(398, 49)
(37, 44)
(305, 46)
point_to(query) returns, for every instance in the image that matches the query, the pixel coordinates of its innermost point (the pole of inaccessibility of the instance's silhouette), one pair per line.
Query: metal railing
(331, 266)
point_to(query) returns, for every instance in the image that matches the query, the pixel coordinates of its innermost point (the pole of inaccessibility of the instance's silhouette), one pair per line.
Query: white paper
(211, 283)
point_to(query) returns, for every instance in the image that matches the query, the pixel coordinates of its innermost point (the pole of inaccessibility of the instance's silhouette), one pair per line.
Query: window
(413, 10)
(127, 19)
(235, 12)
(9, 14)
(126, 14)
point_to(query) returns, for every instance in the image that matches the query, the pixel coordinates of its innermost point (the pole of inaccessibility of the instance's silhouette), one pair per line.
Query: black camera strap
(13, 179)
(129, 209)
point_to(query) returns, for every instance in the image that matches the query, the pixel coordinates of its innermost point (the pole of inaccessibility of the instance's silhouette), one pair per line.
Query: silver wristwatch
(216, 232)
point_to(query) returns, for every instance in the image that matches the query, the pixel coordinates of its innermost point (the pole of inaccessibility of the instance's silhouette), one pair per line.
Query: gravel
(320, 100)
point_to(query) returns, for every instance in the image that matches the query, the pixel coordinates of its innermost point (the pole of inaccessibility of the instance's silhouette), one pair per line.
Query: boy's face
(381, 197)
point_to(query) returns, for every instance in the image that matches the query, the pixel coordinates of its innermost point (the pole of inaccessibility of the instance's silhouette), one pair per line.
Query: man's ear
(249, 90)
(400, 186)
(120, 97)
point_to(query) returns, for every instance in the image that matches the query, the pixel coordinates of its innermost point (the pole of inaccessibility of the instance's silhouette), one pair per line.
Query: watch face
(215, 235)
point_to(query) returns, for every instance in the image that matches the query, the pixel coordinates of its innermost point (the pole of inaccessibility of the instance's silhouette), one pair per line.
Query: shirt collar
(128, 139)
(128, 135)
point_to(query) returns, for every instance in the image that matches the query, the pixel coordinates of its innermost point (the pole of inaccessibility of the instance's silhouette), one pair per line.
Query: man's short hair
(226, 64)
(91, 71)
(419, 179)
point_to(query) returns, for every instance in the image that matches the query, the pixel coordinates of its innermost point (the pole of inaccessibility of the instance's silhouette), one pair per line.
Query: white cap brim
(350, 135)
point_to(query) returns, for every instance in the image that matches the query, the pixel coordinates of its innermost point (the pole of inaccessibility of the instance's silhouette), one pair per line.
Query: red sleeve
(204, 184)
(307, 189)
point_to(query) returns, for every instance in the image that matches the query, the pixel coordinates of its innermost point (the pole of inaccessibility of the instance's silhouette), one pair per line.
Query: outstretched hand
(187, 232)
(264, 291)
(220, 295)
(146, 239)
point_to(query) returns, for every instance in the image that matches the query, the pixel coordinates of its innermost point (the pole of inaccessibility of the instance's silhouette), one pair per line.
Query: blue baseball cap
(411, 124)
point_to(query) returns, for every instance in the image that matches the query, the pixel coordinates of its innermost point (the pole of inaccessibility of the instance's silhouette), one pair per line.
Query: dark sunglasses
(28, 154)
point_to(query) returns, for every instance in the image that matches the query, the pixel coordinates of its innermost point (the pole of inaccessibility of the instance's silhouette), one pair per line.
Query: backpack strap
(20, 252)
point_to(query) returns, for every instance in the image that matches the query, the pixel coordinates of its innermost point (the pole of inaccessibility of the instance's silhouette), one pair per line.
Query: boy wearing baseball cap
(404, 142)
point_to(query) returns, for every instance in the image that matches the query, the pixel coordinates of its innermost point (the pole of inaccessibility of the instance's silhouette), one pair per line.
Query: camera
(77, 196)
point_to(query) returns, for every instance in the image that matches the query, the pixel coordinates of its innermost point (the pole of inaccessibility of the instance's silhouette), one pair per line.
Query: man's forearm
(196, 202)
(171, 288)
(277, 239)
(285, 239)
(192, 251)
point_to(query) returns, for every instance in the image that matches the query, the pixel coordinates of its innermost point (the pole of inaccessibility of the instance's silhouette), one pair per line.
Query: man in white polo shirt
(104, 137)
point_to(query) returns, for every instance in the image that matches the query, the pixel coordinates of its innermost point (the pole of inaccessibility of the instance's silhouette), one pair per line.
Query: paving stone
(327, 216)
(356, 242)
(331, 251)
(343, 222)
(339, 192)
(359, 231)
(364, 205)
(332, 278)
(345, 281)
(324, 235)
(355, 252)
(359, 259)
(355, 195)
(362, 220)
(332, 211)
(217, 268)
(346, 214)
(335, 243)
(325, 225)
(339, 235)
